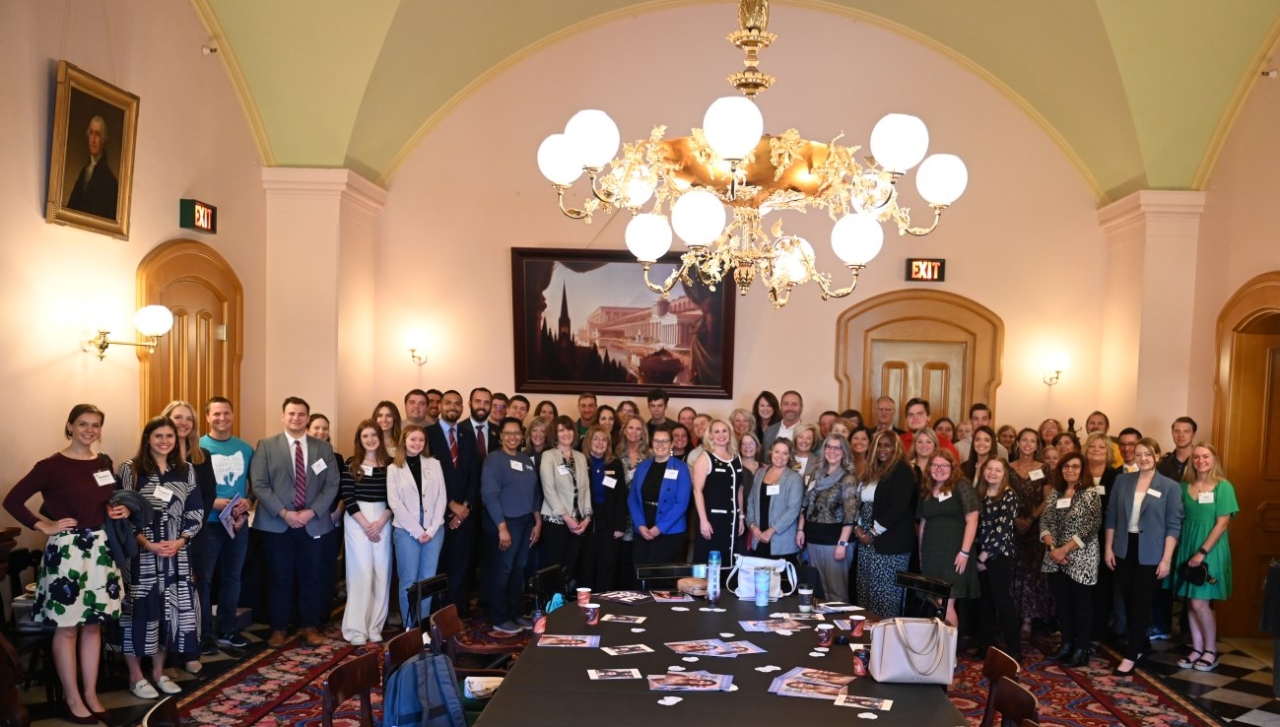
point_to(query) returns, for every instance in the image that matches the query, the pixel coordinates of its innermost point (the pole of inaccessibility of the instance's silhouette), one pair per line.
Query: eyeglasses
(940, 466)
(832, 447)
(662, 442)
(1071, 466)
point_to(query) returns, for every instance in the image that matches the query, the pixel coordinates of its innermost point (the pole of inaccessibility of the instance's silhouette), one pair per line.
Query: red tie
(481, 441)
(299, 478)
(453, 445)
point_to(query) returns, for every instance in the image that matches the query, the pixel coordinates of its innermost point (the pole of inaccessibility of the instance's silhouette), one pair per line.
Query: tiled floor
(1239, 692)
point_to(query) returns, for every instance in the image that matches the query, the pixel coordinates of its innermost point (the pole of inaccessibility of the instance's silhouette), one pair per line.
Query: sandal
(1189, 661)
(1203, 664)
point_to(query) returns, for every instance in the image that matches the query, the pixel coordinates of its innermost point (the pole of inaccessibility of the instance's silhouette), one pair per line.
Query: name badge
(319, 466)
(163, 493)
(517, 466)
(1155, 493)
(1101, 490)
(1205, 498)
(772, 490)
(1036, 475)
(367, 469)
(610, 482)
(670, 475)
(1063, 503)
(944, 497)
(803, 462)
(562, 469)
(104, 478)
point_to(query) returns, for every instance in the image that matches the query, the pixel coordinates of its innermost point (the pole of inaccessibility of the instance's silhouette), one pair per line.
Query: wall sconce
(1056, 363)
(152, 321)
(416, 342)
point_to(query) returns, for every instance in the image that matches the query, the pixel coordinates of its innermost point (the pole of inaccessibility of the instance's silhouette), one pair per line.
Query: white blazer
(413, 514)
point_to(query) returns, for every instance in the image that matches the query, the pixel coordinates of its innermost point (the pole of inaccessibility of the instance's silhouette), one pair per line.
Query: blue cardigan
(1161, 516)
(673, 498)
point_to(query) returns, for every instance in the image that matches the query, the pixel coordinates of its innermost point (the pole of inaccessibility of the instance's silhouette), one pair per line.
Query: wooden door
(933, 370)
(201, 356)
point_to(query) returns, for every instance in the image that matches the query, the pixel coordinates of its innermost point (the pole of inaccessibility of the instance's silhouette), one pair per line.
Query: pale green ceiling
(1139, 93)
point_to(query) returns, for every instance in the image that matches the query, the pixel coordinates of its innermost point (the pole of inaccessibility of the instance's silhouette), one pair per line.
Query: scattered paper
(694, 681)
(612, 674)
(815, 653)
(726, 635)
(850, 700)
(627, 650)
(868, 715)
(784, 632)
(669, 701)
(670, 597)
(811, 684)
(622, 619)
(690, 658)
(637, 631)
(677, 667)
(584, 641)
(823, 649)
(679, 608)
(732, 688)
(627, 597)
(769, 668)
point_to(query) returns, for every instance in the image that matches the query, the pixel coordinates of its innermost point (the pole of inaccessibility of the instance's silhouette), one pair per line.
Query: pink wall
(56, 281)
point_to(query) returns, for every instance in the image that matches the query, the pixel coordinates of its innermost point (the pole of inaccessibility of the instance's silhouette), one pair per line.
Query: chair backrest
(400, 649)
(998, 664)
(1014, 702)
(930, 593)
(420, 593)
(444, 625)
(548, 582)
(1029, 723)
(662, 573)
(21, 560)
(358, 676)
(164, 714)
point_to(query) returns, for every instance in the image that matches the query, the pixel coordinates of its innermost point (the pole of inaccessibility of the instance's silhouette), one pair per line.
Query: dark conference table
(550, 685)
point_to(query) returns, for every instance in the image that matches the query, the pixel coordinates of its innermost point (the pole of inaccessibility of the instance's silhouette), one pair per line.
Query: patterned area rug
(1087, 696)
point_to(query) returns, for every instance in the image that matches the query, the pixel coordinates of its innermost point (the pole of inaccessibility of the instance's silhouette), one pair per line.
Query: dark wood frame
(122, 129)
(722, 335)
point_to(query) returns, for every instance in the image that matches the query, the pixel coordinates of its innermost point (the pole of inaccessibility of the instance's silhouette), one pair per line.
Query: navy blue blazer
(1160, 517)
(673, 498)
(461, 483)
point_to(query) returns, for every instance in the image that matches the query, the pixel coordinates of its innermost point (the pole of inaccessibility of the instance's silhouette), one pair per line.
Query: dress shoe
(1063, 652)
(1117, 673)
(311, 638)
(77, 719)
(277, 639)
(1079, 658)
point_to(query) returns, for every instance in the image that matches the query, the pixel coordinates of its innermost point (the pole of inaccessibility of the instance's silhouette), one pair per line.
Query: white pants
(368, 576)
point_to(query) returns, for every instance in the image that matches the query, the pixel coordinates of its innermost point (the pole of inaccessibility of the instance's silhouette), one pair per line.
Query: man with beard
(454, 447)
(485, 434)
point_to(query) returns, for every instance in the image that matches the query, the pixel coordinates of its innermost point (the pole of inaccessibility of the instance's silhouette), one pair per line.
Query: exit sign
(926, 270)
(196, 215)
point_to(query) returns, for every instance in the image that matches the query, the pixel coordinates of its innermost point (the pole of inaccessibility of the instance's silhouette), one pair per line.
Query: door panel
(920, 368)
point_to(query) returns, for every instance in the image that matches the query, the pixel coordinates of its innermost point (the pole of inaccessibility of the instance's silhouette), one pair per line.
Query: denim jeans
(415, 561)
(214, 545)
(505, 569)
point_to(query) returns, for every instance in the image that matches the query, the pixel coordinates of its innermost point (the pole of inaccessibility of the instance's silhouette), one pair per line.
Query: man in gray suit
(295, 478)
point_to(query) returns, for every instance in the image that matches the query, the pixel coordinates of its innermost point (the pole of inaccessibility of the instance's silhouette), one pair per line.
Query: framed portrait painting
(95, 125)
(584, 320)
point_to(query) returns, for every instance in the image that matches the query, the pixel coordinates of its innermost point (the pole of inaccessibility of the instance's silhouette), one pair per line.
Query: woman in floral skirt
(1031, 479)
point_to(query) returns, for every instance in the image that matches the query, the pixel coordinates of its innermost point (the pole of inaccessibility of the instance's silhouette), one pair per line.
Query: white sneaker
(144, 690)
(357, 640)
(168, 686)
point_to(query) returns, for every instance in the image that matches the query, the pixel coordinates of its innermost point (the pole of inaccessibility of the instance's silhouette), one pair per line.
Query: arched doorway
(1246, 415)
(937, 345)
(201, 356)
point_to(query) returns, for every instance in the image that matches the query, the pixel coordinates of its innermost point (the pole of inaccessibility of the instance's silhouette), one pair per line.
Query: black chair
(358, 676)
(32, 639)
(546, 583)
(164, 714)
(925, 597)
(419, 593)
(662, 573)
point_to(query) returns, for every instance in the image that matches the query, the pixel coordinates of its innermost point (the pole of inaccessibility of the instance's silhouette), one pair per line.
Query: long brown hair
(144, 463)
(1004, 481)
(1086, 477)
(383, 457)
(193, 439)
(1216, 474)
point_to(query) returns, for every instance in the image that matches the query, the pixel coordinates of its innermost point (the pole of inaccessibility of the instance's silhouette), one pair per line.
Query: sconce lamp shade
(153, 320)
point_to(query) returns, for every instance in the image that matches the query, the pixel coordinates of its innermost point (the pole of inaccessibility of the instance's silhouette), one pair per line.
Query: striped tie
(453, 445)
(299, 478)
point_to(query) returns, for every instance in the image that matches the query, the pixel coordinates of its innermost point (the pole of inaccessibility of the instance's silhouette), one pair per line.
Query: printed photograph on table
(612, 674)
(693, 681)
(849, 700)
(91, 155)
(671, 597)
(584, 319)
(626, 650)
(627, 597)
(584, 641)
(622, 618)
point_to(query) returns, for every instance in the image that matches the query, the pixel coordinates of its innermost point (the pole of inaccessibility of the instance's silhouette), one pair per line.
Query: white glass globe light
(899, 142)
(942, 179)
(792, 259)
(1057, 361)
(594, 137)
(557, 160)
(733, 126)
(153, 320)
(698, 217)
(637, 189)
(857, 238)
(648, 237)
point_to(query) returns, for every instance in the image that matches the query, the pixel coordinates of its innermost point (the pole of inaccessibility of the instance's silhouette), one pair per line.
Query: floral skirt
(78, 582)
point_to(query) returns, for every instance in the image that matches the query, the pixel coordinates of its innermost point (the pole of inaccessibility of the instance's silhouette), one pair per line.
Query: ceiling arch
(1138, 95)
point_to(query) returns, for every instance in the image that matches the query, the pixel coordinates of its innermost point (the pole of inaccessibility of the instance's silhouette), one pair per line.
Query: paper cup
(584, 596)
(592, 613)
(856, 624)
(826, 634)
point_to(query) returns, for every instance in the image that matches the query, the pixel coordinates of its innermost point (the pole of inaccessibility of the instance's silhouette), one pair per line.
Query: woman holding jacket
(773, 507)
(1144, 521)
(416, 495)
(566, 497)
(659, 502)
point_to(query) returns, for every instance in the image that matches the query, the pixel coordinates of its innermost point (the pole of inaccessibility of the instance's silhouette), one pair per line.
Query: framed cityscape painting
(585, 321)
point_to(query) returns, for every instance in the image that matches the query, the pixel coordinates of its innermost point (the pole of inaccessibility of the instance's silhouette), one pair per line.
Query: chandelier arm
(904, 223)
(607, 198)
(665, 288)
(827, 292)
(573, 214)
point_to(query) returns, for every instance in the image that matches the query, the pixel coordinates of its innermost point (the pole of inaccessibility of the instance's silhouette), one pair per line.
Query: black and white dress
(720, 497)
(161, 608)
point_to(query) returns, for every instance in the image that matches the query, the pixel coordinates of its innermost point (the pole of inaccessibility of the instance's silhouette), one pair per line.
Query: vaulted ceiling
(1140, 94)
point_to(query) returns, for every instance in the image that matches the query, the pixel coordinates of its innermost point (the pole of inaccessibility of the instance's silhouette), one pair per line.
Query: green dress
(944, 524)
(1198, 520)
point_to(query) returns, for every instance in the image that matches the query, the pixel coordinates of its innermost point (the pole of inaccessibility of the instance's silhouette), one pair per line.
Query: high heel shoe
(76, 719)
(1117, 673)
(1079, 658)
(1062, 652)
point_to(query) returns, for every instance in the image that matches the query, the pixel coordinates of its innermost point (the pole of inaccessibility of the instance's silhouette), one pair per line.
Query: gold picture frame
(95, 125)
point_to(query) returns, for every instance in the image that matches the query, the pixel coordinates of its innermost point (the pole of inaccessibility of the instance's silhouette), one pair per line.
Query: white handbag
(746, 566)
(913, 651)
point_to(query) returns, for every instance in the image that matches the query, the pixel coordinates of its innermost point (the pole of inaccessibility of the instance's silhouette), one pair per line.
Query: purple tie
(453, 446)
(299, 478)
(481, 441)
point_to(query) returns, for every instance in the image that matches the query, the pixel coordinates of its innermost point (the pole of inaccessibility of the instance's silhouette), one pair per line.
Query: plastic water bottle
(713, 576)
(763, 579)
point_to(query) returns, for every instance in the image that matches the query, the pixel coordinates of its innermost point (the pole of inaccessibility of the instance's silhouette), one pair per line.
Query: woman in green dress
(1209, 502)
(947, 524)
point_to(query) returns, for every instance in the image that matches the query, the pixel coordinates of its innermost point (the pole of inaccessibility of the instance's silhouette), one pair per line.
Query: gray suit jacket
(1160, 516)
(271, 477)
(784, 510)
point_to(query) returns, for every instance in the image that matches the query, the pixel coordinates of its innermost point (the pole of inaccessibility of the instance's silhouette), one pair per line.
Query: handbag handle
(912, 652)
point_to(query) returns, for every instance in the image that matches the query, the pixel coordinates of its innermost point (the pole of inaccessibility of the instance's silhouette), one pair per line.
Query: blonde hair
(1216, 474)
(401, 456)
(732, 445)
(193, 439)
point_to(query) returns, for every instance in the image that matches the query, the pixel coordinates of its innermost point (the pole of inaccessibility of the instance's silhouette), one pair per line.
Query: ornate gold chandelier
(731, 163)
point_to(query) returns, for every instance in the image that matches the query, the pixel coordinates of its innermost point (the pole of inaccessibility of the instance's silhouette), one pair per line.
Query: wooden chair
(164, 714)
(1029, 723)
(445, 627)
(356, 677)
(420, 593)
(998, 664)
(666, 573)
(401, 648)
(1013, 702)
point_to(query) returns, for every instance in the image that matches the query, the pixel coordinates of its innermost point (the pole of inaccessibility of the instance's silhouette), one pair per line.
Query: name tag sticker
(319, 466)
(772, 490)
(1205, 498)
(1101, 490)
(610, 482)
(368, 470)
(943, 497)
(163, 493)
(104, 478)
(1036, 475)
(562, 469)
(1155, 493)
(517, 466)
(670, 475)
(1063, 503)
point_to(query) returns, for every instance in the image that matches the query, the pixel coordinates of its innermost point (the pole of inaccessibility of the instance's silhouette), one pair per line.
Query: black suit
(493, 438)
(462, 485)
(99, 196)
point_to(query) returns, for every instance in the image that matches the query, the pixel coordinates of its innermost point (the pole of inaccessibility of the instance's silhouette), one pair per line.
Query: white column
(321, 227)
(1152, 240)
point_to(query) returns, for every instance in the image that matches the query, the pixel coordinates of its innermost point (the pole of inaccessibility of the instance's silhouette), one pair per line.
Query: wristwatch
(843, 543)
